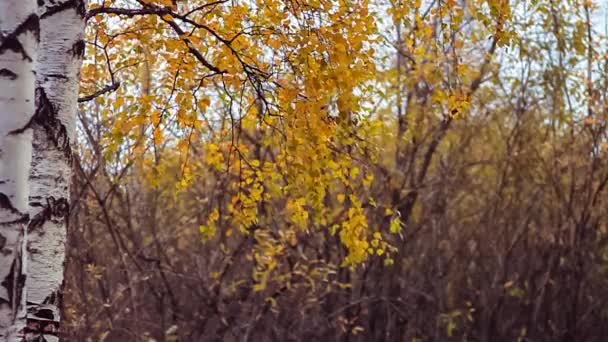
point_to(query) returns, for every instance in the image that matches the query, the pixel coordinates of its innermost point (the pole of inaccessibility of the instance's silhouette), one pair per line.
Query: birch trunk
(19, 29)
(57, 74)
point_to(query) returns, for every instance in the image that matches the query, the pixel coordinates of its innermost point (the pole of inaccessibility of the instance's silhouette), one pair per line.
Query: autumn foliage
(341, 170)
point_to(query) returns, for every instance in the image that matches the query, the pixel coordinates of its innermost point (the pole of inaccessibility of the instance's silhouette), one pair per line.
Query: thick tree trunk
(60, 55)
(19, 28)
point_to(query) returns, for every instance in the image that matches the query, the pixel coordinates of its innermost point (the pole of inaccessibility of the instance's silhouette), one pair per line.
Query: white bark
(18, 39)
(60, 55)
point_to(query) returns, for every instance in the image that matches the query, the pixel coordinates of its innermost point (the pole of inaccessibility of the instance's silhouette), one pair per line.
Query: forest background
(340, 170)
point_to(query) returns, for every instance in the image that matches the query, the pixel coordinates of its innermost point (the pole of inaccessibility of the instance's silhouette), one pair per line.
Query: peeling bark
(60, 55)
(19, 33)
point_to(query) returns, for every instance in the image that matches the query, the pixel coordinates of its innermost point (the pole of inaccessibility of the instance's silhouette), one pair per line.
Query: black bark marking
(59, 76)
(14, 282)
(78, 49)
(45, 313)
(2, 242)
(55, 298)
(53, 208)
(81, 8)
(78, 5)
(11, 41)
(5, 203)
(5, 73)
(21, 220)
(46, 117)
(36, 204)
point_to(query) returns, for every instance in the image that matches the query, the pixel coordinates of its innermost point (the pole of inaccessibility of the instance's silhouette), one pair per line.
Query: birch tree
(60, 54)
(19, 31)
(37, 113)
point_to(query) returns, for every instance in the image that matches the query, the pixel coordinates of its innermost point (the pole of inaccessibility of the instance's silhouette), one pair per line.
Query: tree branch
(104, 90)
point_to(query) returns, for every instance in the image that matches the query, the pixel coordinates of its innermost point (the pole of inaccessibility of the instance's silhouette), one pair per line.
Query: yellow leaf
(395, 226)
(204, 103)
(158, 136)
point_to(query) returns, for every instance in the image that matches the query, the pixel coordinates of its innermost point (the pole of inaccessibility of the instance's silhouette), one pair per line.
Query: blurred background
(341, 171)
